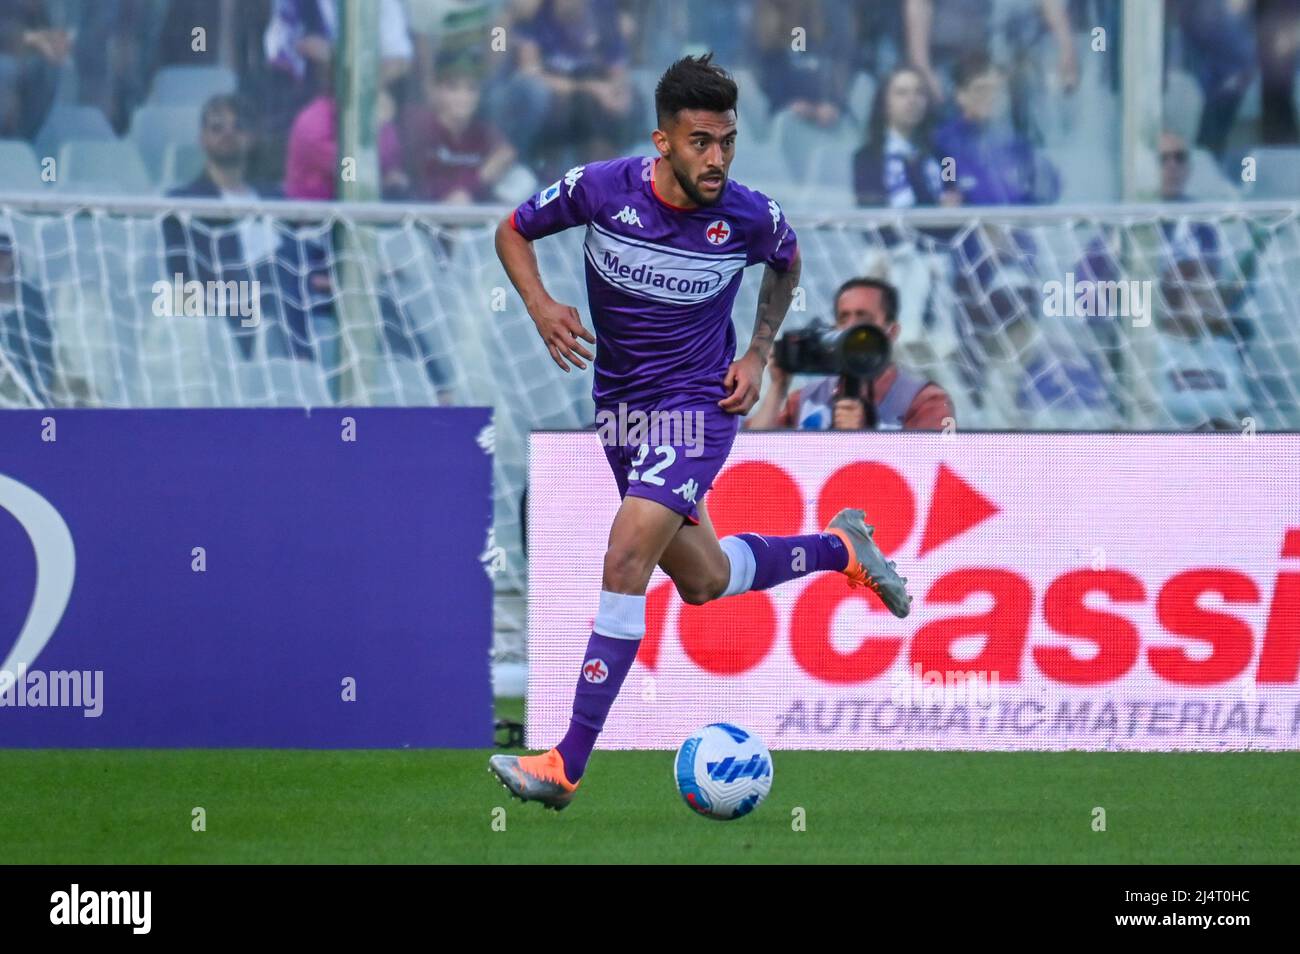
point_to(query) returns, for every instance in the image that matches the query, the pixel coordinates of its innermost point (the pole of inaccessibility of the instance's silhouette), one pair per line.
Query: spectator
(1201, 379)
(569, 94)
(26, 342)
(939, 34)
(301, 34)
(306, 265)
(216, 250)
(31, 52)
(118, 46)
(1185, 240)
(995, 165)
(896, 167)
(311, 168)
(812, 78)
(1175, 166)
(1279, 58)
(225, 139)
(902, 399)
(299, 46)
(451, 156)
(1219, 50)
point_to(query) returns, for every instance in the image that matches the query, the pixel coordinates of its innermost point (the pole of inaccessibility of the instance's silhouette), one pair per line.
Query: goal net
(1179, 317)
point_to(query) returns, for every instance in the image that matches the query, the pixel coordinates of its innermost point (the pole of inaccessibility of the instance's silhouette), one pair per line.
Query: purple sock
(604, 668)
(779, 559)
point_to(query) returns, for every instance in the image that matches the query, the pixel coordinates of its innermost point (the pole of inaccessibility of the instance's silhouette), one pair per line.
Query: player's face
(700, 147)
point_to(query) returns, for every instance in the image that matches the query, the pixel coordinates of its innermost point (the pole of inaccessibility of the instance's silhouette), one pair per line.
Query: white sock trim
(742, 565)
(621, 615)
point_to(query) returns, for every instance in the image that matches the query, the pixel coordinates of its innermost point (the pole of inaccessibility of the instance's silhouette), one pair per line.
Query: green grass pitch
(421, 806)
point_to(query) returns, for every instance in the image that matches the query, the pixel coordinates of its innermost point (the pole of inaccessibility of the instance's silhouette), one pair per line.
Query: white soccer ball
(723, 771)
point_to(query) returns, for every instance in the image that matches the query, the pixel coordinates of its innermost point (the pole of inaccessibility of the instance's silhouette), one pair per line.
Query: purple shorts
(675, 455)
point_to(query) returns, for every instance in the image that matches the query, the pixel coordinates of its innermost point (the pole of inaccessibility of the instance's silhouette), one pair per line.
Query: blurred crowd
(882, 103)
(913, 102)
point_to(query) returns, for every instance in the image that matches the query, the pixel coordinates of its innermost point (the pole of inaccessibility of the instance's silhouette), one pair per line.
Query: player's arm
(559, 325)
(745, 376)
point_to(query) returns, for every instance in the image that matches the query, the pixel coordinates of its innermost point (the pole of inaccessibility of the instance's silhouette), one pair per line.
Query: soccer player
(666, 241)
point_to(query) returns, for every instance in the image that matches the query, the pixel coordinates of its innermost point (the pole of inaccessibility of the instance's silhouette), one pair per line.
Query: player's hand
(744, 379)
(779, 377)
(560, 327)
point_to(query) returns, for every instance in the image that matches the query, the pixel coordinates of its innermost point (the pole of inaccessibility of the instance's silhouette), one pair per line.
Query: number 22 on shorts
(666, 456)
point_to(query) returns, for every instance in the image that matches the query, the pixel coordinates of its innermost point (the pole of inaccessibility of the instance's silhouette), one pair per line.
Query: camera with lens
(858, 354)
(860, 351)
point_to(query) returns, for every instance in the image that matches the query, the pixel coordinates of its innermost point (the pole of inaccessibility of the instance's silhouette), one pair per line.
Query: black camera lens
(862, 351)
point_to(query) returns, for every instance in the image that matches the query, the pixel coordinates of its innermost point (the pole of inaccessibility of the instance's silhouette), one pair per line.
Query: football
(723, 771)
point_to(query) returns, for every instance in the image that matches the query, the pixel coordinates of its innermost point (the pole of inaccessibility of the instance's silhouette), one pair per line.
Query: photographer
(898, 398)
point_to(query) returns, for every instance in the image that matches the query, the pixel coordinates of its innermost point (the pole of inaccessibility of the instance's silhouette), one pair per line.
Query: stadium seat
(797, 140)
(644, 82)
(754, 114)
(1183, 105)
(190, 85)
(830, 167)
(862, 91)
(517, 184)
(1206, 181)
(20, 170)
(761, 167)
(1277, 173)
(67, 123)
(182, 162)
(1251, 102)
(1083, 179)
(110, 166)
(155, 129)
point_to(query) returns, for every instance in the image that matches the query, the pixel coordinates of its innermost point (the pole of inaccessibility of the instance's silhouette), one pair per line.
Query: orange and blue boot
(535, 778)
(867, 565)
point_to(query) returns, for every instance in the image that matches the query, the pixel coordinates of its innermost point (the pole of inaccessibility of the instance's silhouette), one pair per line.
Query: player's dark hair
(888, 295)
(694, 82)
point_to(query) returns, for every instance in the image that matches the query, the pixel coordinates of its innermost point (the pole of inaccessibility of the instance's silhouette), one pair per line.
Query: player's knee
(626, 570)
(694, 594)
(700, 590)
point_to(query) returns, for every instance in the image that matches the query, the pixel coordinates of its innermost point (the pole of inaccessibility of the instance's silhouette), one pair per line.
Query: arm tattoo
(774, 297)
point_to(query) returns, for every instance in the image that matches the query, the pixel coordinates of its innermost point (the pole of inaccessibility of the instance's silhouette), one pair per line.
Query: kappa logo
(688, 491)
(571, 178)
(717, 232)
(774, 210)
(628, 217)
(595, 670)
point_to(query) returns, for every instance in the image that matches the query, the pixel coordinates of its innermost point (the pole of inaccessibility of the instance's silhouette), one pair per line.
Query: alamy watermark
(620, 427)
(976, 687)
(1086, 298)
(194, 299)
(60, 689)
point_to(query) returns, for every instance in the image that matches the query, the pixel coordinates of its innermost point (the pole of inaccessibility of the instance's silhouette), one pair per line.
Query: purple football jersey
(661, 279)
